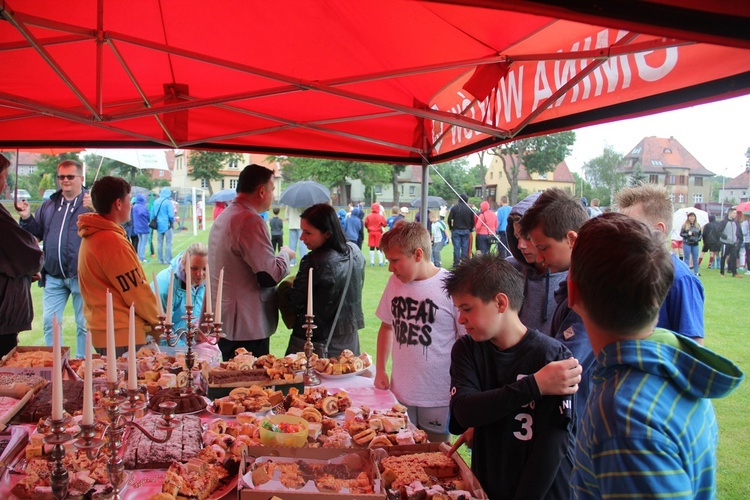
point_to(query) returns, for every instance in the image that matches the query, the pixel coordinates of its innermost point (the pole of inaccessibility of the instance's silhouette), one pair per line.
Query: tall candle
(169, 295)
(88, 380)
(188, 279)
(57, 391)
(159, 307)
(219, 292)
(132, 373)
(207, 300)
(111, 351)
(309, 291)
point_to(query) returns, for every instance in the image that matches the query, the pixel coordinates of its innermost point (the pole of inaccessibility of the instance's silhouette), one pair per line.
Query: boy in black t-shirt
(277, 230)
(522, 442)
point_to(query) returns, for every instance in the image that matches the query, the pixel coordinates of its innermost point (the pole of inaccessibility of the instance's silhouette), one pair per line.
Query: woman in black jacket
(691, 233)
(331, 260)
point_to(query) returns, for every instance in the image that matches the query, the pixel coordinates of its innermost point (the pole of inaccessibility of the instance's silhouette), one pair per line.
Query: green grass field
(724, 333)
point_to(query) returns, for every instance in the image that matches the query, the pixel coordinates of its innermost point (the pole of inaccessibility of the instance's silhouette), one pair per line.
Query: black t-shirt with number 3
(523, 443)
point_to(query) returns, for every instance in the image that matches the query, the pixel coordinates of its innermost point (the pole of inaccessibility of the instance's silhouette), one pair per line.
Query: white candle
(188, 279)
(88, 397)
(219, 293)
(111, 351)
(309, 291)
(207, 299)
(159, 307)
(132, 373)
(169, 295)
(57, 391)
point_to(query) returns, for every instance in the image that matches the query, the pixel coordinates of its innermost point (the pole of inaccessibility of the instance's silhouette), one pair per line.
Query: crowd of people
(564, 384)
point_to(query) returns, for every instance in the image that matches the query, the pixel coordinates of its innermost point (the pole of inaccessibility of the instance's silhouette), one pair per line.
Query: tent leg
(425, 185)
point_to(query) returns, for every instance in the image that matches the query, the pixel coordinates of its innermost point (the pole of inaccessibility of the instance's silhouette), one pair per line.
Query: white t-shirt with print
(425, 326)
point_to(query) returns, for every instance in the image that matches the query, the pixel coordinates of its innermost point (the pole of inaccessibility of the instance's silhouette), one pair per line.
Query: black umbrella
(304, 194)
(432, 202)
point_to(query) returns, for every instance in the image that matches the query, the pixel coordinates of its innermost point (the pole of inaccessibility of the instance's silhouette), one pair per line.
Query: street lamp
(723, 194)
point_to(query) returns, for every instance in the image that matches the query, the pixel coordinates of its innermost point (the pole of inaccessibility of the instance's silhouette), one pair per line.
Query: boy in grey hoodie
(539, 284)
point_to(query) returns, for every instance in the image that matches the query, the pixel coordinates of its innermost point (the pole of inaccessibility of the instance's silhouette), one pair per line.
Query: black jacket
(329, 277)
(691, 239)
(461, 217)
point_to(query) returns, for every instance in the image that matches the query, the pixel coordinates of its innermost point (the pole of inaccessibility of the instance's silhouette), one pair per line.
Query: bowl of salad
(284, 430)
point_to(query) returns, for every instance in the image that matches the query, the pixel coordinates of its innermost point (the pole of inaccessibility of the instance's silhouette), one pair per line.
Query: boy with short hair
(420, 318)
(277, 230)
(552, 224)
(522, 446)
(649, 429)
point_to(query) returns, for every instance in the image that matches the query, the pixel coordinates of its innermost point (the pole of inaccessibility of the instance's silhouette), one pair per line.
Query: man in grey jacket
(730, 236)
(55, 223)
(240, 244)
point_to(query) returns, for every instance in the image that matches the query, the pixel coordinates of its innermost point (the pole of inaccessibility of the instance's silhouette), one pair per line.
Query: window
(653, 179)
(232, 183)
(681, 198)
(667, 151)
(698, 181)
(222, 184)
(636, 151)
(161, 174)
(204, 185)
(402, 189)
(492, 175)
(697, 198)
(671, 197)
(233, 164)
(656, 162)
(682, 180)
(671, 180)
(543, 176)
(378, 190)
(412, 189)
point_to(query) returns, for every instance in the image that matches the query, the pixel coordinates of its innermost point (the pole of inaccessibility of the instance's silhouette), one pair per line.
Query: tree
(205, 165)
(453, 176)
(601, 171)
(637, 177)
(397, 170)
(482, 173)
(538, 155)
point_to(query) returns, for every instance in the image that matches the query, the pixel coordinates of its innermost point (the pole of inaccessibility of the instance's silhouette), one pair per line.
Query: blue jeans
(168, 254)
(294, 241)
(142, 244)
(460, 239)
(436, 248)
(54, 300)
(692, 251)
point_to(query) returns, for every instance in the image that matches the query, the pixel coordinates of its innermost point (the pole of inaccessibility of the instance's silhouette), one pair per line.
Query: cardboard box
(466, 475)
(43, 371)
(301, 453)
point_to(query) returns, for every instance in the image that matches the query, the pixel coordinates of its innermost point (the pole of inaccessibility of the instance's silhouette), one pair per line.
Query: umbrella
(304, 194)
(223, 196)
(680, 216)
(743, 207)
(432, 202)
(141, 159)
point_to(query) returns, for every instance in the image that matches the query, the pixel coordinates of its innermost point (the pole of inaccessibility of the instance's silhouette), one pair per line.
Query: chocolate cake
(186, 403)
(222, 377)
(41, 405)
(184, 444)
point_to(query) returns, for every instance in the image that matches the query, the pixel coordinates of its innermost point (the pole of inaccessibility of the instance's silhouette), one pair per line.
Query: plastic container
(290, 440)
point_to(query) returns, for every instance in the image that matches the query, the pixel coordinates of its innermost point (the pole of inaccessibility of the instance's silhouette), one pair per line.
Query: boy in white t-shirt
(419, 327)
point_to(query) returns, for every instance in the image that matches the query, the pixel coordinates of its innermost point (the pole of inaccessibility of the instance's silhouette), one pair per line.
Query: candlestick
(188, 280)
(309, 292)
(111, 351)
(219, 292)
(88, 397)
(57, 392)
(132, 373)
(159, 307)
(208, 292)
(169, 295)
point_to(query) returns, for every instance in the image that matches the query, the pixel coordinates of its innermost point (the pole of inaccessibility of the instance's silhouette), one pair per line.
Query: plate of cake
(345, 366)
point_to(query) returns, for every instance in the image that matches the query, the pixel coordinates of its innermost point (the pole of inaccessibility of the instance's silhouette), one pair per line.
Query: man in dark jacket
(461, 223)
(55, 223)
(20, 260)
(730, 236)
(711, 242)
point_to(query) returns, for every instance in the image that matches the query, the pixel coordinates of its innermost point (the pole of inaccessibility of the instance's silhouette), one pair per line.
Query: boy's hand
(23, 209)
(382, 380)
(466, 438)
(559, 377)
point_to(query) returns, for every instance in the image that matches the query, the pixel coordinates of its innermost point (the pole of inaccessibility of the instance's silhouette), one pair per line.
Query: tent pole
(423, 219)
(193, 202)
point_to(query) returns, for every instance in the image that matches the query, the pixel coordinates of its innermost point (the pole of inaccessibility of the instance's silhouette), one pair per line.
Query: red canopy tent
(391, 81)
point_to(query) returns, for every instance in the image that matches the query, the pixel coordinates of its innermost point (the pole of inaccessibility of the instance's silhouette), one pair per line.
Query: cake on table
(184, 444)
(41, 406)
(186, 403)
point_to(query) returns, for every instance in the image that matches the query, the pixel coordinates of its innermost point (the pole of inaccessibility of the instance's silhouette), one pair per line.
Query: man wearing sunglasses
(55, 223)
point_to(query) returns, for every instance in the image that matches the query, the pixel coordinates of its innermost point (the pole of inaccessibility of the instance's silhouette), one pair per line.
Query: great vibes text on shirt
(413, 320)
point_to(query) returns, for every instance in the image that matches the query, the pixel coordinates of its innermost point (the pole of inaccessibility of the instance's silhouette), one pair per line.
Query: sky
(716, 134)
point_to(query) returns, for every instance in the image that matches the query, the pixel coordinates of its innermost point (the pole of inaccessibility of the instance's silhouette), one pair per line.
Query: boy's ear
(502, 302)
(418, 254)
(571, 237)
(573, 295)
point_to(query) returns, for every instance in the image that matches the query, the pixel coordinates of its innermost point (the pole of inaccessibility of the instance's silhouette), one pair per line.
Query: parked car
(22, 195)
(48, 193)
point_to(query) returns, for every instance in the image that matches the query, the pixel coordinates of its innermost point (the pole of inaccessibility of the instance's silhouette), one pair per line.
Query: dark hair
(557, 212)
(485, 276)
(464, 196)
(253, 176)
(71, 163)
(276, 210)
(325, 219)
(637, 267)
(4, 163)
(106, 190)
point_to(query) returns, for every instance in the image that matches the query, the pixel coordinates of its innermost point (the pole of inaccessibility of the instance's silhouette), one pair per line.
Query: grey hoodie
(539, 288)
